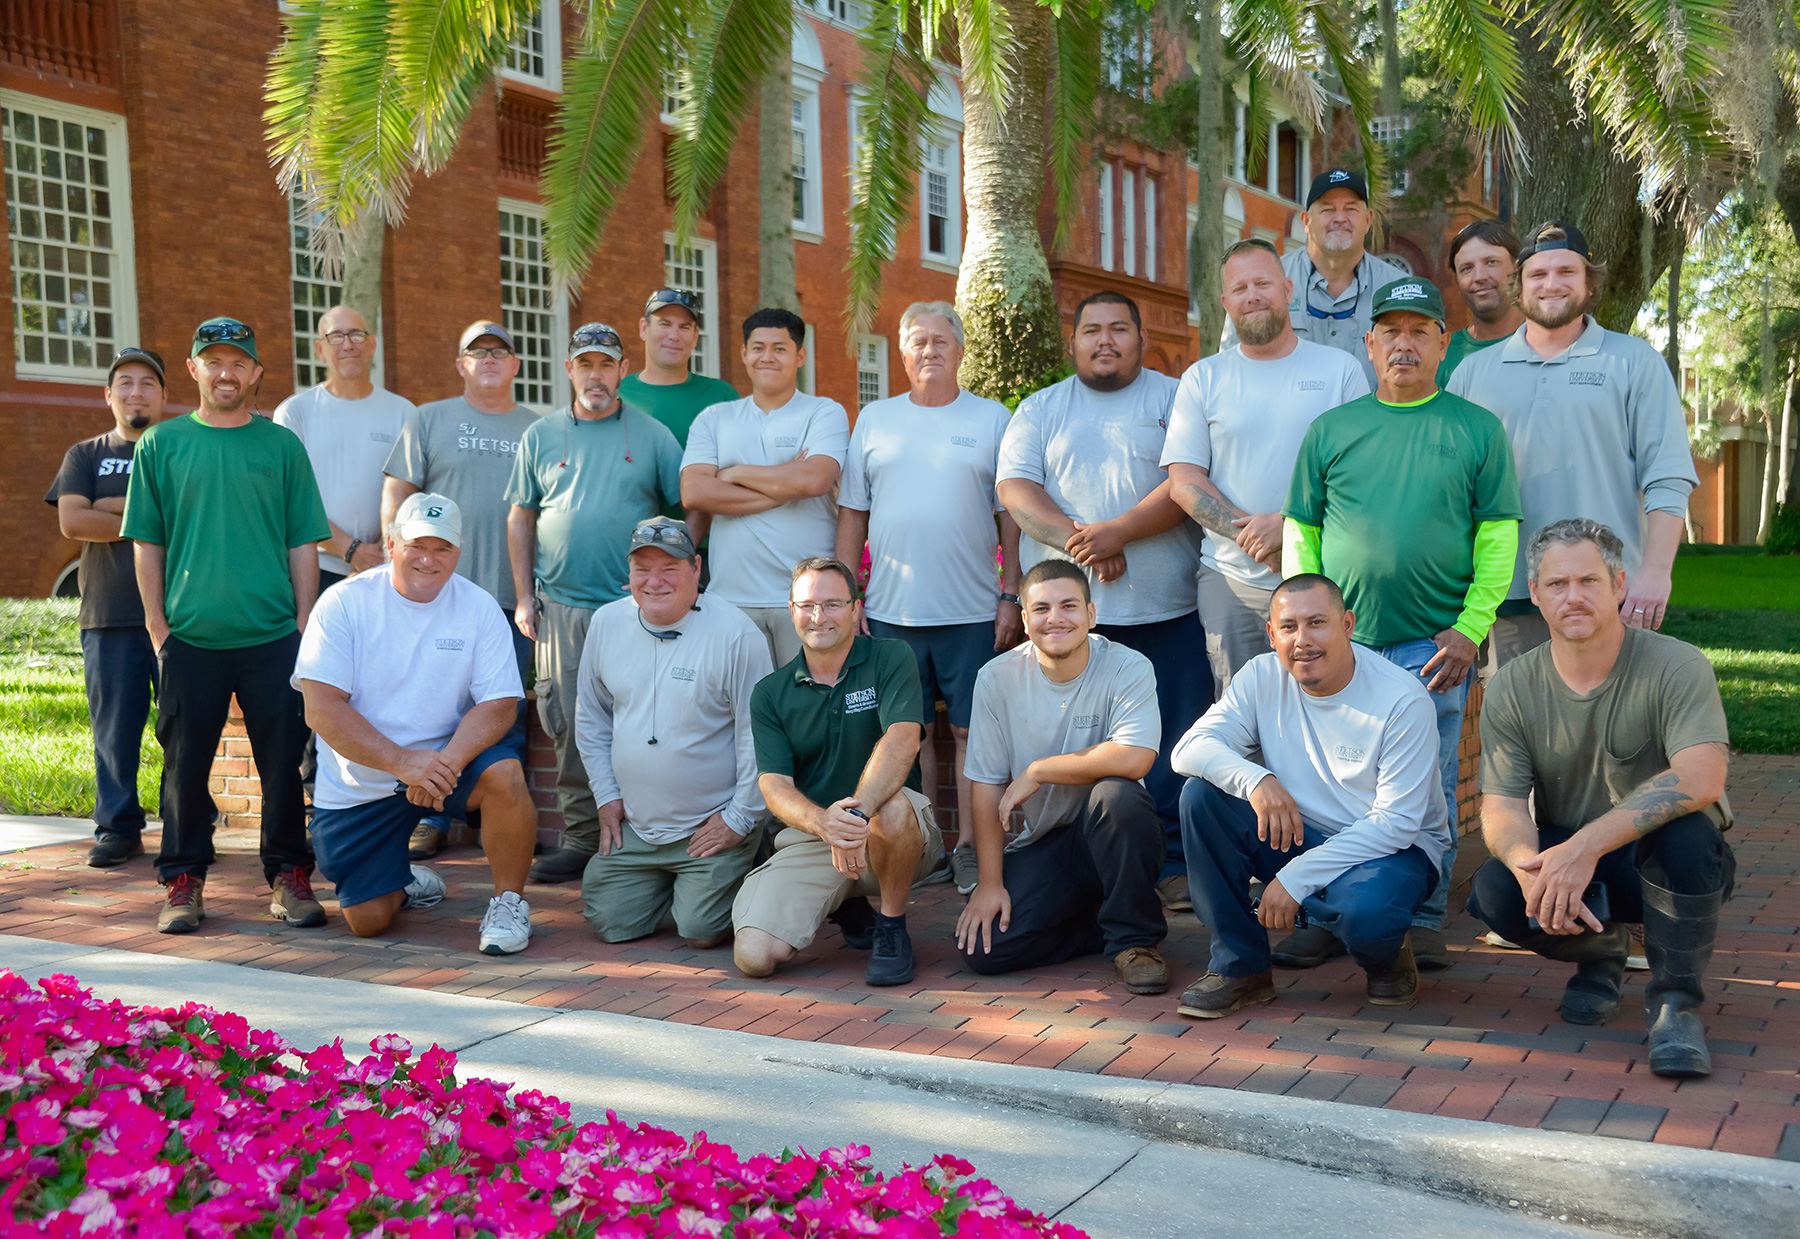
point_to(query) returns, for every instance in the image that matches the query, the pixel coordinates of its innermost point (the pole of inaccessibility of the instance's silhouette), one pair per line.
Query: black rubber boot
(1592, 995)
(1678, 939)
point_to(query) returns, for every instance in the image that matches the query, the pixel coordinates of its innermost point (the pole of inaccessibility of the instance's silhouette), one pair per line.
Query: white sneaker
(506, 929)
(426, 890)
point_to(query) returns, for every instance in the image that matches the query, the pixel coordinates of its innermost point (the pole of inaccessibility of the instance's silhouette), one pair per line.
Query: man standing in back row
(667, 388)
(1483, 257)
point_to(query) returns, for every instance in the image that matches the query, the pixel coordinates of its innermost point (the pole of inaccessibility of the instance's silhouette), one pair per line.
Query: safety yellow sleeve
(1301, 550)
(1496, 550)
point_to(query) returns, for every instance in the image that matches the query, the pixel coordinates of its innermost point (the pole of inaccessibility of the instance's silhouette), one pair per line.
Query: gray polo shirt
(1596, 431)
(1358, 297)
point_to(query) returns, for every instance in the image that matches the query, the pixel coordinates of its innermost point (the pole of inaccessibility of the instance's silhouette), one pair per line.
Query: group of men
(1193, 637)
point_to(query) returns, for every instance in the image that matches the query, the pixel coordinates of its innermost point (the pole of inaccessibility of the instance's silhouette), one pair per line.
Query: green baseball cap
(1412, 293)
(225, 331)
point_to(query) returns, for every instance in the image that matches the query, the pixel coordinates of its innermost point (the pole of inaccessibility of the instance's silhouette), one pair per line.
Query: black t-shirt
(100, 468)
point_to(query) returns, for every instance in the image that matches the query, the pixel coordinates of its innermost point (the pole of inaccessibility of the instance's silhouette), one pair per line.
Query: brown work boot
(1143, 969)
(184, 905)
(293, 900)
(1213, 996)
(427, 840)
(1397, 984)
(1173, 891)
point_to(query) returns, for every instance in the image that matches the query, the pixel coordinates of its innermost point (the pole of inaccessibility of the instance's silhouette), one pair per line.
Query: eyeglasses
(498, 351)
(668, 535)
(836, 607)
(597, 334)
(337, 339)
(230, 331)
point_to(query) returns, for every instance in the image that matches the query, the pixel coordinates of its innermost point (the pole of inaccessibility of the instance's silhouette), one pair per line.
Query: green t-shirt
(1460, 345)
(1397, 491)
(228, 505)
(1583, 755)
(676, 405)
(821, 735)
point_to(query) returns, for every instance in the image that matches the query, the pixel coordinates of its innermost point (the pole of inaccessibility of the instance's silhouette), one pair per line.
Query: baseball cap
(664, 534)
(485, 327)
(225, 331)
(1412, 293)
(1536, 242)
(1337, 178)
(425, 515)
(595, 338)
(142, 356)
(672, 296)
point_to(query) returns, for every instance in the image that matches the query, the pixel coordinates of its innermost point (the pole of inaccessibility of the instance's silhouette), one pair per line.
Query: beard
(137, 421)
(1260, 327)
(1338, 239)
(1551, 320)
(228, 404)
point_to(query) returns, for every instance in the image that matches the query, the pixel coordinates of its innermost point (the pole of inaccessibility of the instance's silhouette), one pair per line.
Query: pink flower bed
(163, 1123)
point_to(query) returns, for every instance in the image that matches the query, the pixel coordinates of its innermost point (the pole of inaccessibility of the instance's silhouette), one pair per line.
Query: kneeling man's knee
(758, 953)
(504, 779)
(1374, 922)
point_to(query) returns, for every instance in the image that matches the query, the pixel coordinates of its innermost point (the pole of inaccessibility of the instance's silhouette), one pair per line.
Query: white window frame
(1150, 228)
(849, 14)
(948, 137)
(334, 296)
(811, 226)
(1129, 218)
(550, 16)
(706, 354)
(853, 128)
(876, 348)
(1388, 130)
(559, 316)
(124, 308)
(1105, 193)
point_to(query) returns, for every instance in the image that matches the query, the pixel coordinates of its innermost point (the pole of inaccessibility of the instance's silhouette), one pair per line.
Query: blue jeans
(120, 664)
(1413, 655)
(1369, 907)
(514, 741)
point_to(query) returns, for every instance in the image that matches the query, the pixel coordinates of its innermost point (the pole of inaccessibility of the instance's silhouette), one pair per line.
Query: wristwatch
(1012, 598)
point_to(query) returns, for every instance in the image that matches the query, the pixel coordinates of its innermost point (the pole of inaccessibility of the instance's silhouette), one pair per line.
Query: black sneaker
(857, 919)
(563, 865)
(111, 851)
(891, 957)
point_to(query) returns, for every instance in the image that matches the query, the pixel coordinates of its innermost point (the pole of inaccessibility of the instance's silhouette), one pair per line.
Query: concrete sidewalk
(1121, 1159)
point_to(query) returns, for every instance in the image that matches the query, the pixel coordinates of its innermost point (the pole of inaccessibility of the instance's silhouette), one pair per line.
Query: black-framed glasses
(595, 335)
(226, 331)
(338, 339)
(675, 296)
(499, 351)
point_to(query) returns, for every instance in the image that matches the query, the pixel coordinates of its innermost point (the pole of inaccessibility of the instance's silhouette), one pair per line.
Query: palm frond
(733, 43)
(985, 31)
(445, 52)
(1472, 42)
(1273, 35)
(1337, 37)
(1075, 68)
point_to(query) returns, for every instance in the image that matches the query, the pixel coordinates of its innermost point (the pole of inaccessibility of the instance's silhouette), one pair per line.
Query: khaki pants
(777, 624)
(1235, 616)
(792, 893)
(627, 893)
(1511, 636)
(562, 632)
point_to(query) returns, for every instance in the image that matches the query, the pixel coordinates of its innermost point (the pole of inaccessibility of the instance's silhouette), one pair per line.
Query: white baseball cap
(425, 515)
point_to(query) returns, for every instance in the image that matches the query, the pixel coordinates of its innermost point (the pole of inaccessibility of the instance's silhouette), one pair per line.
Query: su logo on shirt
(860, 700)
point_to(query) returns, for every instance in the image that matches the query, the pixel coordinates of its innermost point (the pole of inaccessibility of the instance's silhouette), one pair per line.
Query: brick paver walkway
(1483, 1041)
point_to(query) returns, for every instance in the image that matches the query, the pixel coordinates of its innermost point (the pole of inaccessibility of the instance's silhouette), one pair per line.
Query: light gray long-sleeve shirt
(1361, 764)
(1596, 431)
(691, 693)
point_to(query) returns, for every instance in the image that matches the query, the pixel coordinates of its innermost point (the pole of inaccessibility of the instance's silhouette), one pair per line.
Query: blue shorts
(950, 656)
(362, 849)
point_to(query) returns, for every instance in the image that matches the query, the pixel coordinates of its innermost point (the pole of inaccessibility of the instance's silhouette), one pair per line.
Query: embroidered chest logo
(787, 441)
(1085, 721)
(1349, 753)
(1446, 450)
(860, 700)
(962, 440)
(112, 465)
(450, 643)
(380, 436)
(1587, 378)
(681, 673)
(1310, 385)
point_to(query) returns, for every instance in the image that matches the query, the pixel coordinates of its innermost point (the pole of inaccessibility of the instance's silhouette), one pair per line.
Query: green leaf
(1075, 68)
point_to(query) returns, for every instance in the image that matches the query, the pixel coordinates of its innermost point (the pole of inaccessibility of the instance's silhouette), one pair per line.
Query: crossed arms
(1097, 545)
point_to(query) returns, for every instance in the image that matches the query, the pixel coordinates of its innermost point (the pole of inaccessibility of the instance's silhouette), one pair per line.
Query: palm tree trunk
(1003, 290)
(775, 189)
(1206, 244)
(1784, 478)
(363, 244)
(1390, 57)
(1672, 350)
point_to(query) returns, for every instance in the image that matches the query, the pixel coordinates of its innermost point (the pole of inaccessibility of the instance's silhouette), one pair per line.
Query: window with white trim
(671, 85)
(535, 53)
(68, 221)
(941, 218)
(314, 290)
(871, 370)
(1128, 53)
(694, 268)
(809, 208)
(847, 12)
(1128, 213)
(529, 307)
(1388, 130)
(1150, 228)
(1106, 217)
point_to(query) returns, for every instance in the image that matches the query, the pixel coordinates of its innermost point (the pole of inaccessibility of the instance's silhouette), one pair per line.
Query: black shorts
(949, 657)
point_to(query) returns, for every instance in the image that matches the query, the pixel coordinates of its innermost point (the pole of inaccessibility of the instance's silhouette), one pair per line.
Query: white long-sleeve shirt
(1361, 764)
(692, 694)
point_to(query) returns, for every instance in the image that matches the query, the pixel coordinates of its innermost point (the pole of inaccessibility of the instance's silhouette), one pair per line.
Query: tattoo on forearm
(1039, 529)
(1207, 509)
(1656, 802)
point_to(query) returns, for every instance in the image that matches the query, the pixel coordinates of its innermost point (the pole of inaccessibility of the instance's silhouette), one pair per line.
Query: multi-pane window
(535, 53)
(314, 291)
(694, 268)
(1128, 53)
(939, 203)
(1128, 217)
(871, 370)
(529, 307)
(1106, 217)
(68, 224)
(800, 168)
(1388, 130)
(1150, 228)
(846, 11)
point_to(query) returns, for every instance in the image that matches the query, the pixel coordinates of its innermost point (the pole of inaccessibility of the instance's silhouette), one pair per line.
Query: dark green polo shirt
(821, 735)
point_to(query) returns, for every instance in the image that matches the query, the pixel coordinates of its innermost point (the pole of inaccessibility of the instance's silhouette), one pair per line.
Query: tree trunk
(1206, 244)
(1784, 479)
(363, 244)
(1771, 466)
(1003, 290)
(1672, 350)
(1390, 57)
(1577, 174)
(775, 189)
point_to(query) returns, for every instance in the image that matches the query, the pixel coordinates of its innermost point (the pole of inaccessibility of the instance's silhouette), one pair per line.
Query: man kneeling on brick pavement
(837, 744)
(1348, 779)
(662, 723)
(410, 683)
(1064, 728)
(1619, 735)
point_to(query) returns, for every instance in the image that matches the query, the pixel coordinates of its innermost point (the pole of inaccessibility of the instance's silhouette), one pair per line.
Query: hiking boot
(891, 954)
(111, 851)
(1396, 984)
(293, 900)
(427, 841)
(857, 919)
(426, 890)
(1307, 948)
(184, 904)
(565, 864)
(963, 869)
(506, 929)
(1430, 952)
(1214, 996)
(1142, 969)
(1173, 891)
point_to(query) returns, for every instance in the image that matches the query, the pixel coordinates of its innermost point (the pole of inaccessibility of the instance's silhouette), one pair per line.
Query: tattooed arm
(1192, 487)
(1695, 779)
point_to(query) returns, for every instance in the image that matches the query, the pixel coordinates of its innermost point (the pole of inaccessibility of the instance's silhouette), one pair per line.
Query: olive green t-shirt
(1460, 345)
(676, 405)
(1583, 755)
(821, 735)
(1397, 491)
(226, 504)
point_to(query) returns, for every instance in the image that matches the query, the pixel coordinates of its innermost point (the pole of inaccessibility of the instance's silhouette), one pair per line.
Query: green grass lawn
(1756, 654)
(1728, 581)
(47, 758)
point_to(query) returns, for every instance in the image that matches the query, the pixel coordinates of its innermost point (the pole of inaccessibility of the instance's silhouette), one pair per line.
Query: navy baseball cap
(485, 327)
(1571, 239)
(1337, 178)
